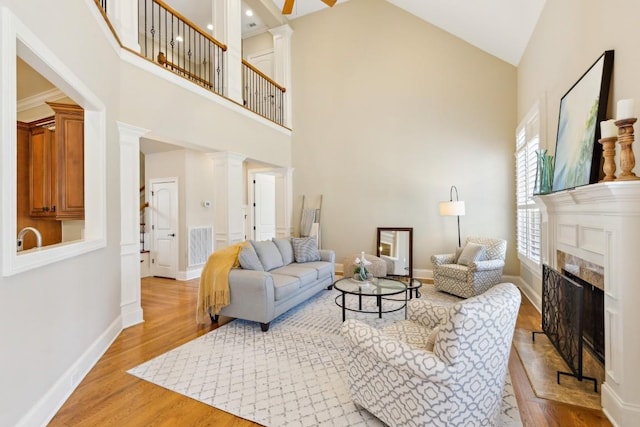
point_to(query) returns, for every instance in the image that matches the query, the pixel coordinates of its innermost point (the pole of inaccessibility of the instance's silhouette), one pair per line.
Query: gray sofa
(275, 276)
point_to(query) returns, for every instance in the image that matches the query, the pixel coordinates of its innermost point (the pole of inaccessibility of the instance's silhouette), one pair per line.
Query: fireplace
(600, 224)
(590, 277)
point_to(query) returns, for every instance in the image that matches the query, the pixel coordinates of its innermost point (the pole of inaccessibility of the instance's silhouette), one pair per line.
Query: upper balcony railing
(261, 94)
(171, 40)
(180, 46)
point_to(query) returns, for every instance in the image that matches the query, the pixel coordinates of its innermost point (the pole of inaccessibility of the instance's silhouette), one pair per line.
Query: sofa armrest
(328, 255)
(442, 259)
(492, 264)
(252, 295)
(395, 353)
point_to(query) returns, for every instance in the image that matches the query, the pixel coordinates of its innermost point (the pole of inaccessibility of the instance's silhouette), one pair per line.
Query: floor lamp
(453, 208)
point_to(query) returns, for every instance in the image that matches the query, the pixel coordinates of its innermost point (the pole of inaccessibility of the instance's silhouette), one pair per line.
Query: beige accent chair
(471, 271)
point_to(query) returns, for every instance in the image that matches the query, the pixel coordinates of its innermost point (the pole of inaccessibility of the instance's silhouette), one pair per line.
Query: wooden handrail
(144, 205)
(191, 24)
(263, 75)
(162, 60)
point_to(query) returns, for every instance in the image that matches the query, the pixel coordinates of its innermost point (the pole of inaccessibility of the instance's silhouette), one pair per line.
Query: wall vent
(200, 245)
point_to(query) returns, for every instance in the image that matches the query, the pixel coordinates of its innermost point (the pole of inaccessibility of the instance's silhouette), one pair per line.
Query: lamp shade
(452, 208)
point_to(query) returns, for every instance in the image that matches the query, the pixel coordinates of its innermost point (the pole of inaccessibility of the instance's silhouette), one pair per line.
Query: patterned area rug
(291, 375)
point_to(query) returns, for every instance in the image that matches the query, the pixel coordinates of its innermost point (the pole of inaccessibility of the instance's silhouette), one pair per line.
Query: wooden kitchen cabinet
(56, 167)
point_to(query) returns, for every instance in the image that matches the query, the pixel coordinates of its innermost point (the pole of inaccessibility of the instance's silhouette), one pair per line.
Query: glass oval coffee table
(377, 287)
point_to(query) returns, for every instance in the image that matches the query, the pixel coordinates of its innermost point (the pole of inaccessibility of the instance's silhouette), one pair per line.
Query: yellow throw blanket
(214, 281)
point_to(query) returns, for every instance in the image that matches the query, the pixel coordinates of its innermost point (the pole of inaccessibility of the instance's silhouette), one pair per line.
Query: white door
(264, 214)
(164, 227)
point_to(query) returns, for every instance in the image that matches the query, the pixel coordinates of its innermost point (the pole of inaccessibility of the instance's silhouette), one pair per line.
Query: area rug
(541, 362)
(291, 375)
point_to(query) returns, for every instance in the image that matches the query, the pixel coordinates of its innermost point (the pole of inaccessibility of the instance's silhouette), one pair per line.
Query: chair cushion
(472, 252)
(413, 333)
(284, 286)
(306, 275)
(286, 250)
(324, 268)
(305, 249)
(455, 271)
(268, 253)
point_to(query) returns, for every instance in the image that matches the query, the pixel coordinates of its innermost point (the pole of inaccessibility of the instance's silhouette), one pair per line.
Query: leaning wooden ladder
(310, 221)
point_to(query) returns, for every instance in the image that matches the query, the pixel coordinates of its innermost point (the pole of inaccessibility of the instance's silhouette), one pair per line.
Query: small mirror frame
(408, 229)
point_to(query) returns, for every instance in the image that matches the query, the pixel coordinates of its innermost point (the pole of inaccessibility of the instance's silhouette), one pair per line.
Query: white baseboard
(46, 408)
(189, 274)
(617, 411)
(131, 314)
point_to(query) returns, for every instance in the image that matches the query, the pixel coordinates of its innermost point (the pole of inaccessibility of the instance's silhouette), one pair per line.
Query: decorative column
(609, 152)
(228, 202)
(284, 202)
(282, 66)
(130, 298)
(123, 15)
(227, 28)
(627, 158)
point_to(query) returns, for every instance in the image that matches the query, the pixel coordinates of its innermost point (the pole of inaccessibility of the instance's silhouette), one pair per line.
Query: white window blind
(528, 214)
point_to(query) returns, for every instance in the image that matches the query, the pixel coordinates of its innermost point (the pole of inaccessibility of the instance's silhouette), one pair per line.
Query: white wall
(567, 40)
(391, 111)
(53, 316)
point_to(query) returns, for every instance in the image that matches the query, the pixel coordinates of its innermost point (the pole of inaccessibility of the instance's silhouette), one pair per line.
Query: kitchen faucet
(24, 231)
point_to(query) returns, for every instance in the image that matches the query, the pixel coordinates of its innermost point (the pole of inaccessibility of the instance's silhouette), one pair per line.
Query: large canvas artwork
(577, 159)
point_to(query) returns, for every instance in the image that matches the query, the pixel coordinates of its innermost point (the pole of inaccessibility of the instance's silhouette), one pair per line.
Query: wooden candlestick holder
(625, 139)
(609, 152)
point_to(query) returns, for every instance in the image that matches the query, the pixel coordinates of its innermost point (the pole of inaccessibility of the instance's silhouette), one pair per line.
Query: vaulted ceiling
(499, 27)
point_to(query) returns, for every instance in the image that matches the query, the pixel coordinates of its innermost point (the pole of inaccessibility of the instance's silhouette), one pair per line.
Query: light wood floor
(108, 396)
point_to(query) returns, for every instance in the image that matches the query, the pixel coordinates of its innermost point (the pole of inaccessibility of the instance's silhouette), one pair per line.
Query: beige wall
(389, 113)
(256, 44)
(567, 40)
(194, 171)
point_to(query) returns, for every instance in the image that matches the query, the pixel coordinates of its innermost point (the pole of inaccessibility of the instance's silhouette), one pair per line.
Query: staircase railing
(171, 40)
(180, 45)
(261, 94)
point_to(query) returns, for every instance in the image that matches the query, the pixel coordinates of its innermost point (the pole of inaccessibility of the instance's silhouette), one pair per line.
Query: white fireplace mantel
(601, 223)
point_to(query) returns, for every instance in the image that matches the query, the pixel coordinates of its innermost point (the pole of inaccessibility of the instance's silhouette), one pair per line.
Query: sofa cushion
(305, 249)
(248, 258)
(306, 275)
(455, 271)
(324, 268)
(286, 250)
(472, 252)
(284, 286)
(268, 253)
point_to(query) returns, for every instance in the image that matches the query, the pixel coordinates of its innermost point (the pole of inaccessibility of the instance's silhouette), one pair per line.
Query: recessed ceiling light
(209, 26)
(249, 12)
(179, 38)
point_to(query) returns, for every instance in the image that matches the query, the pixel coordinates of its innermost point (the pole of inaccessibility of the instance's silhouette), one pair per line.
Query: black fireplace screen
(562, 303)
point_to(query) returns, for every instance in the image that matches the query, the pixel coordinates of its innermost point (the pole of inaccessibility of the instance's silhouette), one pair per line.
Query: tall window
(528, 221)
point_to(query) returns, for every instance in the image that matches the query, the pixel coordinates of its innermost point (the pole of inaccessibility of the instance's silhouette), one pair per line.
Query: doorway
(264, 206)
(164, 227)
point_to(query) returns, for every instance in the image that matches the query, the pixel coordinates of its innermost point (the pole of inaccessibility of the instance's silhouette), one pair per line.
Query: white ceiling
(499, 27)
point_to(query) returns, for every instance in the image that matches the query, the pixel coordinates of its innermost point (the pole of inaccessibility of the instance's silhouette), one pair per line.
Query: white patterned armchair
(459, 383)
(470, 276)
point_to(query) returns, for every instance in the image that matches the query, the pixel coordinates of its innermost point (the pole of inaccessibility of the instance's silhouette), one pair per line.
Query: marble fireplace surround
(600, 223)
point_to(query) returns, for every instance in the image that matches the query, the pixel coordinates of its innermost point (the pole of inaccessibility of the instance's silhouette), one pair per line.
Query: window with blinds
(528, 214)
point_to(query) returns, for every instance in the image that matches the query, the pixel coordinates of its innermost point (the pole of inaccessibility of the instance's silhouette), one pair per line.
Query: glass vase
(544, 172)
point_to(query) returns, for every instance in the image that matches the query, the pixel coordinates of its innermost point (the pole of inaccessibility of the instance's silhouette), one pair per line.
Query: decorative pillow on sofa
(305, 249)
(457, 255)
(248, 258)
(472, 252)
(286, 250)
(268, 253)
